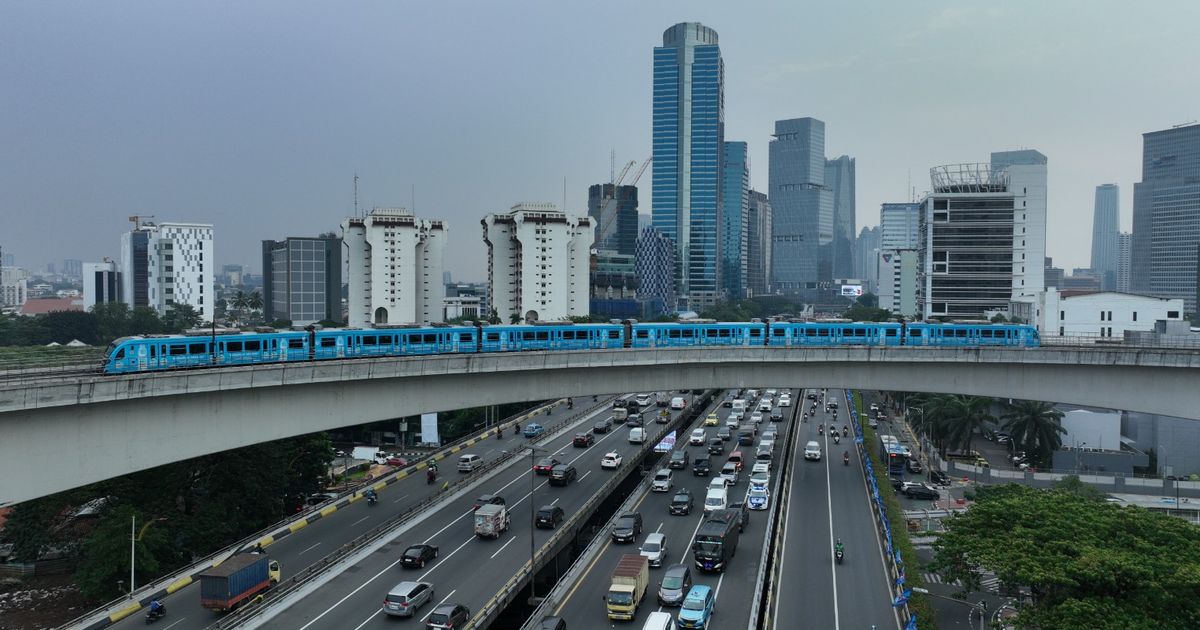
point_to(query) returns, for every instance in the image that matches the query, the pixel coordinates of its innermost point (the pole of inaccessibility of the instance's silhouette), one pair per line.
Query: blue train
(203, 348)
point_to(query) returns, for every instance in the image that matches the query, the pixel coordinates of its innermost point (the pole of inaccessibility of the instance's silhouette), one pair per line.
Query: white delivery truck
(491, 520)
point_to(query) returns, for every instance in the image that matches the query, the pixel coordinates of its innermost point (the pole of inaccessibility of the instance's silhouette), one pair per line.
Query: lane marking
(583, 576)
(438, 604)
(503, 546)
(181, 620)
(837, 624)
(447, 557)
(309, 548)
(360, 520)
(585, 475)
(555, 501)
(401, 498)
(368, 619)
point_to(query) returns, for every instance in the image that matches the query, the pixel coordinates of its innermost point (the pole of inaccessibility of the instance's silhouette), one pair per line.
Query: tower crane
(608, 214)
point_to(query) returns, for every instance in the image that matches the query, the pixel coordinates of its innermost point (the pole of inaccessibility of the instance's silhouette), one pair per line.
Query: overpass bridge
(97, 427)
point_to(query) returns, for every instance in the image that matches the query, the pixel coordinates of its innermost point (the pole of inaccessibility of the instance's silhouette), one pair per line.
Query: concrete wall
(101, 427)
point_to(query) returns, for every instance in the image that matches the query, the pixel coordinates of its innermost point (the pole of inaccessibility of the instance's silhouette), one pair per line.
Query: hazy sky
(255, 116)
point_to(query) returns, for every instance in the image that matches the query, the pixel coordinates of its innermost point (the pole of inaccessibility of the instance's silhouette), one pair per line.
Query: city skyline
(264, 142)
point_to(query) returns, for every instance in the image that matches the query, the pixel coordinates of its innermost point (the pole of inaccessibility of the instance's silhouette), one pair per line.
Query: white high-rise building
(165, 264)
(14, 286)
(101, 283)
(538, 262)
(394, 265)
(899, 237)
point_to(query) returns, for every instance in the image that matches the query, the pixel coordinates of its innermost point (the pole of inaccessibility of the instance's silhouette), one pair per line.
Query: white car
(662, 481)
(756, 417)
(766, 445)
(678, 403)
(760, 479)
(765, 405)
(812, 451)
(771, 392)
(643, 400)
(758, 498)
(699, 437)
(718, 482)
(655, 549)
(785, 401)
(611, 460)
(874, 407)
(761, 467)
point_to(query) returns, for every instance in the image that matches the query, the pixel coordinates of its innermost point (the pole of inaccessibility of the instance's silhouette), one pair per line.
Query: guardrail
(160, 588)
(585, 559)
(317, 569)
(761, 607)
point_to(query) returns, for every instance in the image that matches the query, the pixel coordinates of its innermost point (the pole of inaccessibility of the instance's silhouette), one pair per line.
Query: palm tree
(239, 303)
(255, 301)
(971, 413)
(1036, 427)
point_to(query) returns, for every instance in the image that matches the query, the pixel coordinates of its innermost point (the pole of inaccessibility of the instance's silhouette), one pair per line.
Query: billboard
(666, 445)
(429, 429)
(852, 290)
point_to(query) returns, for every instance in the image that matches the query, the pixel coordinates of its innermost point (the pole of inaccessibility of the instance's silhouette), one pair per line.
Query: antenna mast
(356, 194)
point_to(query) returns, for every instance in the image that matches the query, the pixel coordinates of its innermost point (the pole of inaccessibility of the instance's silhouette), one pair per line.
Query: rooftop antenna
(356, 194)
(909, 186)
(414, 199)
(564, 206)
(612, 166)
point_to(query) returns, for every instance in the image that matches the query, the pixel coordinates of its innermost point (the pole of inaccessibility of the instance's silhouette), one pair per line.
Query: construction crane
(608, 214)
(136, 219)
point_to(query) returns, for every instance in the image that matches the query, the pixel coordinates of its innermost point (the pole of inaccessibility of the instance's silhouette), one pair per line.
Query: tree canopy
(1086, 563)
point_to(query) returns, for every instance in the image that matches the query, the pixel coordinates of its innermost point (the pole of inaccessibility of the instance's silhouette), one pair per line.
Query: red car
(398, 462)
(545, 465)
(584, 440)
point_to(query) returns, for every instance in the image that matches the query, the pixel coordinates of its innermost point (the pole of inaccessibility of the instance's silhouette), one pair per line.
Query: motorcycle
(839, 554)
(846, 458)
(820, 429)
(570, 403)
(155, 615)
(430, 476)
(372, 499)
(845, 431)
(499, 434)
(836, 438)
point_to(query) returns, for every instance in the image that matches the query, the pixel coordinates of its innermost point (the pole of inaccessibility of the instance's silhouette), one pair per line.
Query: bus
(717, 540)
(893, 455)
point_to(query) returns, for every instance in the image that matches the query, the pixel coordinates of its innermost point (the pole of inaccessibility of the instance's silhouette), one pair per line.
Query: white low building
(1100, 314)
(538, 262)
(394, 268)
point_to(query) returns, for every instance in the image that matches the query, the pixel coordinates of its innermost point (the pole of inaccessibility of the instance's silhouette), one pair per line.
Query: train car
(698, 333)
(835, 334)
(148, 353)
(407, 341)
(973, 335)
(551, 336)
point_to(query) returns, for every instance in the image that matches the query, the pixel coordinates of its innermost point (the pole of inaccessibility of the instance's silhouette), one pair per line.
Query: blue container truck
(237, 579)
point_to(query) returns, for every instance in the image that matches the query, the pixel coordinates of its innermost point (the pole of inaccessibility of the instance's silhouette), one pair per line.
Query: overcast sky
(255, 116)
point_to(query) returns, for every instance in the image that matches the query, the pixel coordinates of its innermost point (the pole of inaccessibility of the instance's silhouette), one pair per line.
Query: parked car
(922, 491)
(663, 481)
(449, 617)
(939, 477)
(602, 426)
(584, 440)
(681, 503)
(545, 465)
(533, 430)
(701, 467)
(611, 460)
(417, 555)
(549, 516)
(679, 460)
(488, 499)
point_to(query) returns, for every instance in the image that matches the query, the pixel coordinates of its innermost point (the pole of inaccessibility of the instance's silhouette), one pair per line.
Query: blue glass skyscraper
(802, 206)
(689, 129)
(735, 206)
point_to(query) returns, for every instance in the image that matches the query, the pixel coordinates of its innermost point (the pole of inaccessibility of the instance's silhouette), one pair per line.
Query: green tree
(255, 301)
(65, 326)
(1036, 428)
(1087, 563)
(1073, 485)
(105, 560)
(868, 300)
(515, 318)
(112, 320)
(181, 317)
(860, 313)
(23, 331)
(145, 321)
(999, 318)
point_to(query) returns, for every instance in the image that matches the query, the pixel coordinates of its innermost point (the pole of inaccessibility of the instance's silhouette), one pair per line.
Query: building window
(1062, 315)
(1172, 314)
(1101, 315)
(1135, 316)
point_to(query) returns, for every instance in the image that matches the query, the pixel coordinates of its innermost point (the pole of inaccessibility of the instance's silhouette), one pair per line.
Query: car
(678, 461)
(533, 430)
(697, 609)
(874, 407)
(734, 418)
(718, 483)
(662, 417)
(759, 479)
(545, 465)
(552, 623)
(698, 437)
(921, 491)
(663, 481)
(643, 400)
(736, 458)
(939, 477)
(317, 498)
(711, 420)
(751, 394)
(785, 400)
(678, 403)
(1003, 438)
(777, 414)
(611, 460)
(450, 617)
(769, 434)
(654, 549)
(812, 451)
(758, 497)
(676, 582)
(761, 467)
(397, 461)
(701, 467)
(756, 417)
(637, 435)
(563, 474)
(871, 422)
(771, 392)
(743, 515)
(417, 555)
(881, 417)
(766, 445)
(913, 465)
(635, 420)
(602, 426)
(729, 398)
(584, 440)
(725, 433)
(765, 405)
(730, 472)
(627, 527)
(406, 597)
(549, 516)
(811, 395)
(716, 446)
(681, 503)
(488, 499)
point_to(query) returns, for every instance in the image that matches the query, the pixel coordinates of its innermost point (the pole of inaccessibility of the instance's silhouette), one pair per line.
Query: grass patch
(918, 605)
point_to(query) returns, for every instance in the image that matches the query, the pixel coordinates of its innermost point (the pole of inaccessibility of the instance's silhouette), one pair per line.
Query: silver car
(406, 597)
(655, 549)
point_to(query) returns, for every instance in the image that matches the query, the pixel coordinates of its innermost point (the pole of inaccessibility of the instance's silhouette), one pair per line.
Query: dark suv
(701, 467)
(448, 616)
(549, 516)
(679, 460)
(562, 475)
(716, 446)
(627, 528)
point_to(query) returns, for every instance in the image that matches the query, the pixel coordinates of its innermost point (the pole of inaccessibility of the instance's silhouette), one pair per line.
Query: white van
(716, 499)
(468, 463)
(658, 621)
(637, 435)
(678, 402)
(739, 406)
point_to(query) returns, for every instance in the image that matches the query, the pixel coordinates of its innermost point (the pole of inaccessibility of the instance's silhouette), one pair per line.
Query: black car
(563, 474)
(627, 528)
(913, 465)
(448, 616)
(488, 499)
(602, 426)
(716, 446)
(939, 477)
(743, 514)
(921, 491)
(681, 503)
(729, 398)
(549, 516)
(897, 482)
(701, 467)
(635, 420)
(678, 461)
(584, 440)
(418, 555)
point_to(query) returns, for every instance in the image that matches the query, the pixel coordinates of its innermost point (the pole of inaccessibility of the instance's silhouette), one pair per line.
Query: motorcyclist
(370, 495)
(836, 438)
(838, 548)
(570, 403)
(157, 609)
(821, 429)
(431, 474)
(517, 427)
(845, 431)
(846, 458)
(499, 433)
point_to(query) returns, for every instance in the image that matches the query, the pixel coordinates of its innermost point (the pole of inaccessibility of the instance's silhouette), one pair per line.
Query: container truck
(628, 587)
(236, 580)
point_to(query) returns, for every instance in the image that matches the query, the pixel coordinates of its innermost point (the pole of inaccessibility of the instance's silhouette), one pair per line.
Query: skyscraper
(689, 128)
(1124, 247)
(839, 177)
(758, 243)
(165, 264)
(866, 258)
(1166, 215)
(395, 268)
(801, 205)
(1106, 224)
(735, 206)
(655, 267)
(620, 228)
(538, 262)
(302, 280)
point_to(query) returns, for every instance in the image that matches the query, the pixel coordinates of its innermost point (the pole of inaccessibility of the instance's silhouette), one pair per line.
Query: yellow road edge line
(588, 571)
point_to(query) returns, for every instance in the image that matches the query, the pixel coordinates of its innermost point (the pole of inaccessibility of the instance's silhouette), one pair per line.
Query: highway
(469, 570)
(829, 500)
(314, 541)
(584, 606)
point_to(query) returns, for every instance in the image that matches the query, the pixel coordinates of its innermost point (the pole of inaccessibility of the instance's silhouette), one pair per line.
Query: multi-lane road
(469, 570)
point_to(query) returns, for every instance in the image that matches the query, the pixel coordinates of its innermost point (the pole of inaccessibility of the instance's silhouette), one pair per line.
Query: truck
(236, 580)
(716, 541)
(662, 399)
(369, 453)
(628, 587)
(491, 520)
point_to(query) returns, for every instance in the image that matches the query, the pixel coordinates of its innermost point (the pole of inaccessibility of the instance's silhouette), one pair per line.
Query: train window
(985, 333)
(296, 343)
(253, 344)
(809, 332)
(429, 339)
(543, 336)
(614, 334)
(369, 340)
(674, 334)
(755, 332)
(568, 334)
(528, 336)
(385, 340)
(196, 348)
(492, 336)
(711, 332)
(464, 337)
(121, 353)
(914, 332)
(689, 333)
(233, 346)
(643, 334)
(152, 352)
(328, 342)
(178, 350)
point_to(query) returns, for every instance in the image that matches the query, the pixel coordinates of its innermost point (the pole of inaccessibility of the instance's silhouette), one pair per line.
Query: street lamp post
(533, 452)
(980, 607)
(134, 537)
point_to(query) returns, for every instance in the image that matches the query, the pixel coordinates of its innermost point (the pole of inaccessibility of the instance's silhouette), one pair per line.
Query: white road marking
(399, 499)
(179, 621)
(360, 520)
(585, 475)
(503, 546)
(310, 548)
(367, 620)
(438, 604)
(837, 623)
